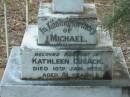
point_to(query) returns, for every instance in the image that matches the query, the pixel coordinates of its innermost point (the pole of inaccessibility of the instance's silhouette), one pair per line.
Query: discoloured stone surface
(67, 29)
(67, 64)
(67, 6)
(13, 86)
(12, 75)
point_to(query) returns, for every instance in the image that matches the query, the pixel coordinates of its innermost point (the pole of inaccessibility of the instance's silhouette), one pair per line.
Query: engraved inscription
(69, 23)
(70, 65)
(68, 31)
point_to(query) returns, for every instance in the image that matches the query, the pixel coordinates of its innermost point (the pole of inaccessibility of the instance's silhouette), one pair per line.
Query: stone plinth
(13, 86)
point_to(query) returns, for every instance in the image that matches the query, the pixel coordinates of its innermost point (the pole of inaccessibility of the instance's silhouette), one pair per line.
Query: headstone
(63, 60)
(67, 29)
(67, 6)
(46, 62)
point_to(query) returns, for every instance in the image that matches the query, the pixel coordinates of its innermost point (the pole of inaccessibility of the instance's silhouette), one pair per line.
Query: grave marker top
(67, 6)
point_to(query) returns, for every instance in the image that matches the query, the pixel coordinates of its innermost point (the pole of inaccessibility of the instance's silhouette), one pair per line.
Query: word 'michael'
(55, 38)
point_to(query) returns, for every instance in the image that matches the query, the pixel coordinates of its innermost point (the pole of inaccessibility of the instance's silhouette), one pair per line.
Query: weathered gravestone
(63, 54)
(72, 55)
(51, 63)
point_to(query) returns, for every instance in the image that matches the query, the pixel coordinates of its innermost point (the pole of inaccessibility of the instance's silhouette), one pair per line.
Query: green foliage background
(120, 17)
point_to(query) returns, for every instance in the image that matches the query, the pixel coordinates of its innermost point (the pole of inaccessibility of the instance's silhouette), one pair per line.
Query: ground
(17, 22)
